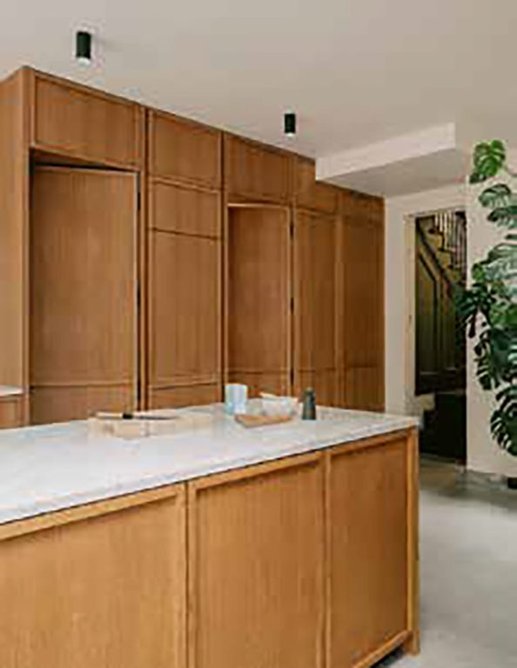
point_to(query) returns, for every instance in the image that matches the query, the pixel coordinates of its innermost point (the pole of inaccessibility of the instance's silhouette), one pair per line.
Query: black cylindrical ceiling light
(83, 47)
(290, 124)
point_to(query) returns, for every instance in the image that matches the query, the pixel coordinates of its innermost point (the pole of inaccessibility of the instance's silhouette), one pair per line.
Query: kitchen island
(288, 546)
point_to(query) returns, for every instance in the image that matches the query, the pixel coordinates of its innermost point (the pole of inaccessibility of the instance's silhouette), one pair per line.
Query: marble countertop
(10, 391)
(52, 467)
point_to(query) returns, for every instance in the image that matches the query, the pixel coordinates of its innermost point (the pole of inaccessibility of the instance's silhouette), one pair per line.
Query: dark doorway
(441, 247)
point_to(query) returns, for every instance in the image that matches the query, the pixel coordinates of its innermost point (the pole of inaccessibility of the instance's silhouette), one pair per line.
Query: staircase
(445, 232)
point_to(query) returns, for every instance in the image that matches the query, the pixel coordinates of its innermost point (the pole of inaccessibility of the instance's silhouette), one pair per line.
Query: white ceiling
(355, 71)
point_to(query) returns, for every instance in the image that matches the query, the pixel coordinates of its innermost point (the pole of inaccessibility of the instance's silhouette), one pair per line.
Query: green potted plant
(488, 309)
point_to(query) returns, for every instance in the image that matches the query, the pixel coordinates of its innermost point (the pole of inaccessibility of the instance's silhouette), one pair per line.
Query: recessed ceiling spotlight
(290, 124)
(83, 47)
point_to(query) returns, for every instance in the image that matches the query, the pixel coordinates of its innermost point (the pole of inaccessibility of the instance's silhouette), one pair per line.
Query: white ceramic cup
(235, 398)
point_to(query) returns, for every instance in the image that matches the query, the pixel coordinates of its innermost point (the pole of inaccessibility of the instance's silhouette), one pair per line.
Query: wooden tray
(251, 421)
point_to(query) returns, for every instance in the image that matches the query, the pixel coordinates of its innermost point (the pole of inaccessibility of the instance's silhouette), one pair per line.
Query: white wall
(483, 453)
(400, 291)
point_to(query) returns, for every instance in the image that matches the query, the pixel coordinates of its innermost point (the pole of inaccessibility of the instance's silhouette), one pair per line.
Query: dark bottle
(309, 404)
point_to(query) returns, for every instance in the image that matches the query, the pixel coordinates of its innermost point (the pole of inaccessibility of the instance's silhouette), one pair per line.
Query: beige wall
(483, 453)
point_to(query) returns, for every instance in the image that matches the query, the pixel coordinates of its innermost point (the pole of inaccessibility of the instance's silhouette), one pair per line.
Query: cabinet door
(257, 298)
(10, 412)
(83, 284)
(368, 550)
(311, 194)
(256, 567)
(256, 172)
(361, 303)
(315, 305)
(184, 150)
(105, 591)
(86, 124)
(185, 317)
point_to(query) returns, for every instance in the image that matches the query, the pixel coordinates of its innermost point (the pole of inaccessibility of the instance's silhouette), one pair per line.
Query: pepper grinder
(309, 404)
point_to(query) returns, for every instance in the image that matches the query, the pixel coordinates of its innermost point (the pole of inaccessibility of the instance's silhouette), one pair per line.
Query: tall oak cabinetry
(230, 263)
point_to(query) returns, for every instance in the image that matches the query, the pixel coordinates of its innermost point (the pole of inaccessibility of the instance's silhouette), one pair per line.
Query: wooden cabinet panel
(273, 383)
(106, 591)
(82, 285)
(178, 208)
(85, 123)
(361, 304)
(255, 567)
(368, 539)
(187, 395)
(315, 297)
(257, 292)
(310, 194)
(182, 149)
(256, 172)
(69, 402)
(324, 383)
(185, 315)
(10, 412)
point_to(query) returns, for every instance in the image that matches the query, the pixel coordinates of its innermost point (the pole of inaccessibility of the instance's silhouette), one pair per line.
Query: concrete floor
(468, 573)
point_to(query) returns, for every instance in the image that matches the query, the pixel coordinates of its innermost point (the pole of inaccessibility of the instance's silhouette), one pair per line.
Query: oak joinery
(361, 304)
(311, 194)
(184, 395)
(84, 123)
(184, 150)
(315, 303)
(105, 591)
(254, 171)
(258, 298)
(256, 539)
(368, 499)
(11, 411)
(83, 335)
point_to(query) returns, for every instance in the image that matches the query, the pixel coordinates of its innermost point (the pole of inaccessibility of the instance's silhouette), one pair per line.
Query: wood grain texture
(183, 209)
(185, 310)
(257, 293)
(367, 548)
(61, 403)
(314, 286)
(256, 172)
(11, 412)
(82, 284)
(361, 302)
(255, 567)
(85, 123)
(412, 644)
(186, 395)
(273, 383)
(185, 150)
(107, 591)
(14, 177)
(311, 194)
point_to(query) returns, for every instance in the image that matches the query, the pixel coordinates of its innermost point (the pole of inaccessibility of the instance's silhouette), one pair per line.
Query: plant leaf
(505, 216)
(496, 196)
(489, 157)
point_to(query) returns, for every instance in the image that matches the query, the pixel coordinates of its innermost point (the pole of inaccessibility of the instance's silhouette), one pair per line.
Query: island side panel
(370, 577)
(256, 566)
(103, 590)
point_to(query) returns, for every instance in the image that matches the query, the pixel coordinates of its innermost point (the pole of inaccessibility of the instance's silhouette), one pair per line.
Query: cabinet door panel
(311, 194)
(256, 172)
(184, 150)
(10, 413)
(368, 550)
(176, 208)
(185, 310)
(108, 591)
(86, 124)
(186, 395)
(256, 556)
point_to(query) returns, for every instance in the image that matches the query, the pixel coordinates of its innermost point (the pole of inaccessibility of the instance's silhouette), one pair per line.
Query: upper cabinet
(309, 194)
(256, 172)
(85, 124)
(183, 150)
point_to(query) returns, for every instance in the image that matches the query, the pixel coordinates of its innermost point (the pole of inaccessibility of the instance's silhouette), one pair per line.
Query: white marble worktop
(51, 467)
(10, 391)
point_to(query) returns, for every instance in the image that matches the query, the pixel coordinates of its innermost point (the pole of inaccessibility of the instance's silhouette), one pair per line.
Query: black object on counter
(309, 404)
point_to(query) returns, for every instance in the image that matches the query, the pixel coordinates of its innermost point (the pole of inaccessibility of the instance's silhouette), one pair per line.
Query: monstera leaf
(505, 216)
(489, 157)
(499, 195)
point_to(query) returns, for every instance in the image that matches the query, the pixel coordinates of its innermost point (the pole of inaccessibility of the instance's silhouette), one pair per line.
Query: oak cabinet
(258, 298)
(256, 172)
(184, 150)
(74, 121)
(256, 567)
(104, 586)
(361, 304)
(369, 535)
(10, 412)
(311, 194)
(314, 286)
